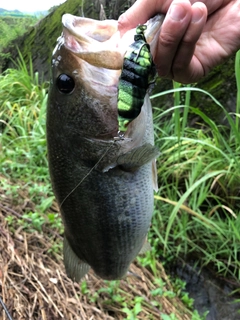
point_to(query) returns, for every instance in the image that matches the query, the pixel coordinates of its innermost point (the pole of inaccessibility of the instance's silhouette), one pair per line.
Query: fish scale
(103, 182)
(114, 235)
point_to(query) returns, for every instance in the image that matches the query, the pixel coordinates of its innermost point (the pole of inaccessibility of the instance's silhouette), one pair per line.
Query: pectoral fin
(137, 157)
(75, 268)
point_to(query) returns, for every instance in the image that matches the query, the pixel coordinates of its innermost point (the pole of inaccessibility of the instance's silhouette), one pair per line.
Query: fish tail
(75, 268)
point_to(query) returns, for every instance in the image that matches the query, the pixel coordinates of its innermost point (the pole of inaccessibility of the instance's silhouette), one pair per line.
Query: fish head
(86, 66)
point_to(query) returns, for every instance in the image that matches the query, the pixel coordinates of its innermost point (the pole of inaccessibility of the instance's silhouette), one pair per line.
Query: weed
(36, 220)
(199, 168)
(196, 208)
(137, 308)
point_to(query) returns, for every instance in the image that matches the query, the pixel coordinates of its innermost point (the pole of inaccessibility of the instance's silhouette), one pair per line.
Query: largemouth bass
(103, 181)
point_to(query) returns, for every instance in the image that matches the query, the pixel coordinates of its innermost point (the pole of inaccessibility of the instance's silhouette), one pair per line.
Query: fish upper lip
(94, 41)
(92, 30)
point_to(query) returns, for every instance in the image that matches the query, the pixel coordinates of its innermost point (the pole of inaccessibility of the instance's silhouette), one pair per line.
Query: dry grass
(33, 283)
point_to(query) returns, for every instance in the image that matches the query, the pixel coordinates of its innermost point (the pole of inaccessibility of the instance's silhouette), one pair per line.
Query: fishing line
(5, 309)
(90, 171)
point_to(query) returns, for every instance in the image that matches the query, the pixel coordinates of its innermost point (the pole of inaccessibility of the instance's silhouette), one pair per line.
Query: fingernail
(177, 12)
(197, 15)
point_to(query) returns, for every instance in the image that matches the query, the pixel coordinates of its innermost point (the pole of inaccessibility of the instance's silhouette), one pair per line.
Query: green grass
(197, 205)
(22, 138)
(22, 116)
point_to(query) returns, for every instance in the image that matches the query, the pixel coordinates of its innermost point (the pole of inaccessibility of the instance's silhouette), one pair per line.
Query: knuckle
(188, 41)
(121, 21)
(167, 40)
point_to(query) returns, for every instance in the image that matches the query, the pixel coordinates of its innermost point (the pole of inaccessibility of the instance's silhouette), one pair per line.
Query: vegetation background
(196, 218)
(12, 26)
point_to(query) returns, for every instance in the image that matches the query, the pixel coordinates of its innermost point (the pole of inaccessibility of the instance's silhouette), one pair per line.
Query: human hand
(195, 35)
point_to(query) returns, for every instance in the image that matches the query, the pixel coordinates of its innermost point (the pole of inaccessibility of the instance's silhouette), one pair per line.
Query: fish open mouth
(93, 41)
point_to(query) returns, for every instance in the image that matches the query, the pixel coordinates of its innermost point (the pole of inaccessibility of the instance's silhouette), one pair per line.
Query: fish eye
(65, 83)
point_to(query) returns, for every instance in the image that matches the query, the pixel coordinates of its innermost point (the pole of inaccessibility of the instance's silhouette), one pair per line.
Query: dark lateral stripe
(134, 78)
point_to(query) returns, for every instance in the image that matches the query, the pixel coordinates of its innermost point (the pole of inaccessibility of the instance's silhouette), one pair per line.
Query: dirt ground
(33, 283)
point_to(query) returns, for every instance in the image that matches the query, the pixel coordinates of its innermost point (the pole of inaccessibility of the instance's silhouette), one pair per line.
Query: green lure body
(137, 74)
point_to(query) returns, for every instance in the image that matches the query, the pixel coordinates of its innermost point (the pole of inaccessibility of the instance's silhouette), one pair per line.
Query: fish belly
(107, 218)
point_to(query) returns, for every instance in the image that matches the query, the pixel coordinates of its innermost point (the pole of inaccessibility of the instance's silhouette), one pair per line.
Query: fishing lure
(138, 73)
